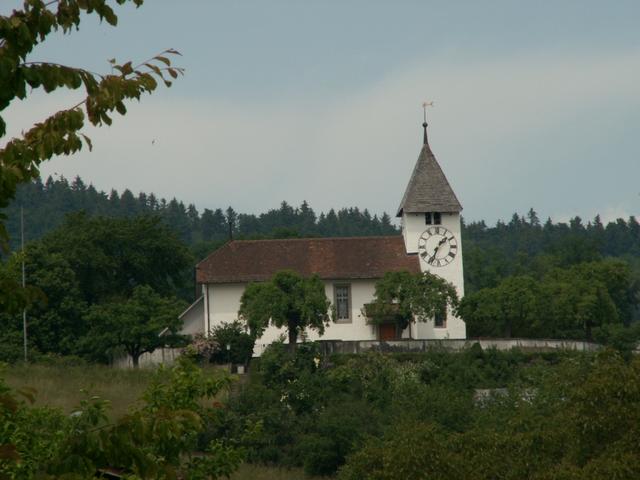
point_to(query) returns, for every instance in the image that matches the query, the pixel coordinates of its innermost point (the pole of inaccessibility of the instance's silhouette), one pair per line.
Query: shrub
(416, 451)
(233, 344)
(334, 432)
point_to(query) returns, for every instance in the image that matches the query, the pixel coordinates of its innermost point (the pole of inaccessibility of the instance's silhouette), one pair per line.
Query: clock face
(437, 246)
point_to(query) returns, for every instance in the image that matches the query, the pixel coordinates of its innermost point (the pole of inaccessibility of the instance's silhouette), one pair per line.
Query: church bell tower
(431, 227)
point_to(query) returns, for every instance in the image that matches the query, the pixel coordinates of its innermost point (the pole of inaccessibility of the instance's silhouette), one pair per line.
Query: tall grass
(63, 385)
(258, 472)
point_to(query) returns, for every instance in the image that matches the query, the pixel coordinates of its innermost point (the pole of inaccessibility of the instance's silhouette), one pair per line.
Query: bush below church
(581, 421)
(315, 413)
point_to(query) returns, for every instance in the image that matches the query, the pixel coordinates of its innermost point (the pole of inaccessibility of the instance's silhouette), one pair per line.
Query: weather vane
(424, 124)
(424, 108)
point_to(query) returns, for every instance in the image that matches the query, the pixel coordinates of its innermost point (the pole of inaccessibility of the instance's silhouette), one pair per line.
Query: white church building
(349, 267)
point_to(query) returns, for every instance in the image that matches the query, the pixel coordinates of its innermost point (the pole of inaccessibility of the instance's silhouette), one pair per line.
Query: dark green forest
(525, 244)
(46, 204)
(92, 256)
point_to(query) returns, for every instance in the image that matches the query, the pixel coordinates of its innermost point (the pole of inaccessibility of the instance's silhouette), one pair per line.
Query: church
(349, 267)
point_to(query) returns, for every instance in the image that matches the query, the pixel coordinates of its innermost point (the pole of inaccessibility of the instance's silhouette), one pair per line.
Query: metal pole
(24, 285)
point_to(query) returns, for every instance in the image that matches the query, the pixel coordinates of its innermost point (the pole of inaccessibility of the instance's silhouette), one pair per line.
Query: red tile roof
(241, 261)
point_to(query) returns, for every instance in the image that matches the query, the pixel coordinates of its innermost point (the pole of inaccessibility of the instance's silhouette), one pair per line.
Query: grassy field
(254, 472)
(62, 385)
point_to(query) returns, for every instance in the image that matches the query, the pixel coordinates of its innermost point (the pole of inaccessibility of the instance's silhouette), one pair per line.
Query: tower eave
(430, 208)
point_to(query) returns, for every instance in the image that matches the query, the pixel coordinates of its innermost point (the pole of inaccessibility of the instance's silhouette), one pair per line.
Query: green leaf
(164, 60)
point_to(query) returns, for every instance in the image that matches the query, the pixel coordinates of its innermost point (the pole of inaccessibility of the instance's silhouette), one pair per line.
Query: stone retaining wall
(329, 347)
(337, 346)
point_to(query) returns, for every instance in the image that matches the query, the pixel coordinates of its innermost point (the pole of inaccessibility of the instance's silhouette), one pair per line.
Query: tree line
(523, 278)
(576, 280)
(525, 245)
(46, 204)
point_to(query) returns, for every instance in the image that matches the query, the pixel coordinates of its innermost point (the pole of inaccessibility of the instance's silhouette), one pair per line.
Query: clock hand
(435, 252)
(440, 243)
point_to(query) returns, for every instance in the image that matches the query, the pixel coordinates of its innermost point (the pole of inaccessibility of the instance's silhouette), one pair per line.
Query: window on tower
(433, 218)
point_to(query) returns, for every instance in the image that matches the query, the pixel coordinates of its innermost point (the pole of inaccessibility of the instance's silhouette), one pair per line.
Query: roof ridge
(302, 239)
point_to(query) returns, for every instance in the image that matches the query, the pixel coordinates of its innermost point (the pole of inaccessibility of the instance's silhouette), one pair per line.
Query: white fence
(153, 359)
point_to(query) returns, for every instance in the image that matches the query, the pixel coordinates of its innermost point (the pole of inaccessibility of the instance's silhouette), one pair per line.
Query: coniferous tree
(128, 204)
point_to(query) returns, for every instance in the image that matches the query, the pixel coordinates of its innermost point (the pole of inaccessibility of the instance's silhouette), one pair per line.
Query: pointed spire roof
(428, 189)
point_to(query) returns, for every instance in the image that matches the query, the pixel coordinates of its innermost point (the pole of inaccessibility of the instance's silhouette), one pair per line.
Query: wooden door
(387, 331)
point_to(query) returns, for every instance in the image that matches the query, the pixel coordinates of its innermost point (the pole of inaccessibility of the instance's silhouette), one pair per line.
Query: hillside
(46, 204)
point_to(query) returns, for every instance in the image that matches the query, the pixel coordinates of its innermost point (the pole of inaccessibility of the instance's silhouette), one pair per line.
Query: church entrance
(387, 331)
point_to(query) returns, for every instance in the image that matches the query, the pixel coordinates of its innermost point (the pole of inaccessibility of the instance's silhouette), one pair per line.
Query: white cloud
(358, 148)
(607, 214)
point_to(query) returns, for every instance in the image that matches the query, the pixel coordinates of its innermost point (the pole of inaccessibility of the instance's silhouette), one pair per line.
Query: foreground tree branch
(60, 133)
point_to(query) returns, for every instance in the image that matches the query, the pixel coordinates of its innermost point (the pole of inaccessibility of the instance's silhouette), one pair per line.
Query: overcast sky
(537, 104)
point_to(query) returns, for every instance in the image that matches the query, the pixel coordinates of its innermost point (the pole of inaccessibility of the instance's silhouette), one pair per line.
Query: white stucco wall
(192, 318)
(413, 225)
(224, 303)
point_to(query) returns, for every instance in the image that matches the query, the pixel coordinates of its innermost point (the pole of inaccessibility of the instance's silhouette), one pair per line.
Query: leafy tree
(134, 324)
(576, 305)
(484, 267)
(565, 302)
(407, 297)
(111, 256)
(588, 296)
(56, 323)
(10, 281)
(11, 307)
(287, 300)
(512, 308)
(60, 134)
(84, 262)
